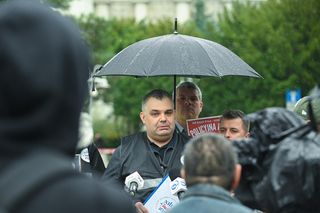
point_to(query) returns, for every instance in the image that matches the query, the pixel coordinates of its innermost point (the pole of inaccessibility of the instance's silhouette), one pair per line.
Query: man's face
(158, 117)
(233, 129)
(188, 105)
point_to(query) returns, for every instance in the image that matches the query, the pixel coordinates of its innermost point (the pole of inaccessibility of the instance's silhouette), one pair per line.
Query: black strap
(28, 175)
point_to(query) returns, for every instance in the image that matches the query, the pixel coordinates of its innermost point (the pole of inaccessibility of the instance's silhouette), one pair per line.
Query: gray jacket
(203, 198)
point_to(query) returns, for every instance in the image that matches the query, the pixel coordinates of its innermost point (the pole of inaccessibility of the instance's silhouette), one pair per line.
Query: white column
(140, 11)
(79, 7)
(182, 11)
(102, 10)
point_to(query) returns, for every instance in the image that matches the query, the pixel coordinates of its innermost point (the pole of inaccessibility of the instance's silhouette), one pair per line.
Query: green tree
(200, 17)
(63, 4)
(108, 37)
(279, 39)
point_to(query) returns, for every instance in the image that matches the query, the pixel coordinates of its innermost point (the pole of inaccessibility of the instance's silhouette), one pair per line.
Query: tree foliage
(279, 39)
(200, 17)
(63, 4)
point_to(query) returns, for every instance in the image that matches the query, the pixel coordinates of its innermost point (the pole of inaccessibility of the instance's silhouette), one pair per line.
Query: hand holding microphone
(134, 182)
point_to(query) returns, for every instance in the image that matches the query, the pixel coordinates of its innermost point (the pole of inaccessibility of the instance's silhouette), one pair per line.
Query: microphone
(174, 173)
(178, 187)
(134, 182)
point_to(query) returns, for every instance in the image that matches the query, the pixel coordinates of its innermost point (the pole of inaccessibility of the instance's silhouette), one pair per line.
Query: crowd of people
(244, 168)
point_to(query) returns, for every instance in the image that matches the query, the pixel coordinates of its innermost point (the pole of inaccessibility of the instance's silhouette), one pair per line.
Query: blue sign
(292, 97)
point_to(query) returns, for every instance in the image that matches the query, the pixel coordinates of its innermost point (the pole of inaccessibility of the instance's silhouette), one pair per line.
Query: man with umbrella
(188, 103)
(147, 157)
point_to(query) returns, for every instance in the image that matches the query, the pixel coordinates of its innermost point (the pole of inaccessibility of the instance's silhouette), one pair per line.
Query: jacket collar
(210, 190)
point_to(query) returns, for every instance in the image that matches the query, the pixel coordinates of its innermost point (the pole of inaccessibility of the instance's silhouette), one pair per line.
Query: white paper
(161, 199)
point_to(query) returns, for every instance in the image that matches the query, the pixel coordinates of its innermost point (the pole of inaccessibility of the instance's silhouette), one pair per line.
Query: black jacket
(135, 154)
(44, 66)
(89, 161)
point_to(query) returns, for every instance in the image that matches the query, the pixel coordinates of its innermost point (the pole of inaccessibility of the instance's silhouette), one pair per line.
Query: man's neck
(159, 143)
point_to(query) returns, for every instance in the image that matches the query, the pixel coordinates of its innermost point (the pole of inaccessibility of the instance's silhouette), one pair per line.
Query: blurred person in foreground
(188, 104)
(45, 65)
(152, 153)
(211, 173)
(233, 124)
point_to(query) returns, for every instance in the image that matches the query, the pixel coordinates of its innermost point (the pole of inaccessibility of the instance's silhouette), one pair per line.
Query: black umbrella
(176, 55)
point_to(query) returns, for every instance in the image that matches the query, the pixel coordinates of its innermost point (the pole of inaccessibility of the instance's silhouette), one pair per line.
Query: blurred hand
(140, 208)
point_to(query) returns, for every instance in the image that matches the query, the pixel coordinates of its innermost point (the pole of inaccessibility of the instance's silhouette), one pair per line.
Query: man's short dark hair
(210, 158)
(157, 94)
(230, 114)
(190, 85)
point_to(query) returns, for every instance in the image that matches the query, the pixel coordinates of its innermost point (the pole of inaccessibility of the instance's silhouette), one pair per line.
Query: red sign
(203, 125)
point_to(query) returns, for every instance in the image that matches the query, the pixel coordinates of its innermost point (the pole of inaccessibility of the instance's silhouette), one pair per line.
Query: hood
(44, 66)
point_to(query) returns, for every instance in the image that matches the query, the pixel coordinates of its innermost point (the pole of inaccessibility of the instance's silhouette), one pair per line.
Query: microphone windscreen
(174, 173)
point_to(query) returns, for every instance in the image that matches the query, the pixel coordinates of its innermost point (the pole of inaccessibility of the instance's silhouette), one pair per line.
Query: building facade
(149, 10)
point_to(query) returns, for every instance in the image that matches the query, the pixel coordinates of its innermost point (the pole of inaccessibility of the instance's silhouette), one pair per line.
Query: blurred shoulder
(81, 194)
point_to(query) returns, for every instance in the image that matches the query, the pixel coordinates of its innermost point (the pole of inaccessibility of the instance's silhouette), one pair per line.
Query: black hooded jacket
(136, 154)
(44, 67)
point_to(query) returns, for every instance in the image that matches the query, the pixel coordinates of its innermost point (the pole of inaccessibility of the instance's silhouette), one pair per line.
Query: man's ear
(201, 106)
(236, 177)
(142, 117)
(183, 173)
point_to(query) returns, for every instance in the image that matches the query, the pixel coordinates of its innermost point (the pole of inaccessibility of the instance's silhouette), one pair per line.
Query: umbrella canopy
(176, 55)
